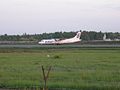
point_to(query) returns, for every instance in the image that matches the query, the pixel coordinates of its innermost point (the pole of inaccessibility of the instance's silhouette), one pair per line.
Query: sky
(40, 16)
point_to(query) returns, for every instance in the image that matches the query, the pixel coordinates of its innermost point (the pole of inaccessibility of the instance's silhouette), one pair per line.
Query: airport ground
(94, 42)
(78, 68)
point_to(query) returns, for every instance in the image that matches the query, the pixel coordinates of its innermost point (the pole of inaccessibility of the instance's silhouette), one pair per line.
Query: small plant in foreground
(56, 57)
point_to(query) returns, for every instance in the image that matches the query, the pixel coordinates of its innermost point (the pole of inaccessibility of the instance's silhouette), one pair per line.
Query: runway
(59, 46)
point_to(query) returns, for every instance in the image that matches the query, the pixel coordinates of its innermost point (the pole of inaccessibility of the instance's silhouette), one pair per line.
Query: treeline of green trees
(86, 36)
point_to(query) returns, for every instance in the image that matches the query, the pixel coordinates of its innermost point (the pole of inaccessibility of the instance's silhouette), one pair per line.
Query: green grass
(82, 69)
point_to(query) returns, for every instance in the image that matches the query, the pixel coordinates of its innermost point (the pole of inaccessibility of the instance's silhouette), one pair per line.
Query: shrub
(56, 57)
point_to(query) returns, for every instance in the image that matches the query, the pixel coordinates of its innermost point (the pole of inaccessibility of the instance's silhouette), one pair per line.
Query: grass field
(82, 69)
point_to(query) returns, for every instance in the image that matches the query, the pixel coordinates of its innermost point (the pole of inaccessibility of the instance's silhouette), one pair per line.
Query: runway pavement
(59, 46)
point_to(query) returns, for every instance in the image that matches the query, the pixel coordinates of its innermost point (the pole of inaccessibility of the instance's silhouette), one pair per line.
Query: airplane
(59, 41)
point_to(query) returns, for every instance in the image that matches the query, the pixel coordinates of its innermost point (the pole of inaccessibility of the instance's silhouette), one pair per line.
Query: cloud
(46, 15)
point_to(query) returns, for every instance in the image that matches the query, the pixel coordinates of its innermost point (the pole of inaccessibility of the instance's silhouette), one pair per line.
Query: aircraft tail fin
(78, 35)
(104, 37)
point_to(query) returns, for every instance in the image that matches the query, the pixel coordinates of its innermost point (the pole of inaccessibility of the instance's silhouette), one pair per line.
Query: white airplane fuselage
(64, 41)
(47, 41)
(70, 40)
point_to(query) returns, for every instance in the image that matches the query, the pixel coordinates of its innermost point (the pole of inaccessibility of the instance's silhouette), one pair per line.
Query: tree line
(86, 36)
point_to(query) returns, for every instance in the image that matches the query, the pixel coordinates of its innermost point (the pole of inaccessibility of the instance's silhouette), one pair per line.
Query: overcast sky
(39, 16)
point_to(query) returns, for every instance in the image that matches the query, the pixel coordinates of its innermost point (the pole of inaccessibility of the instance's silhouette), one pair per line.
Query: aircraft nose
(39, 42)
